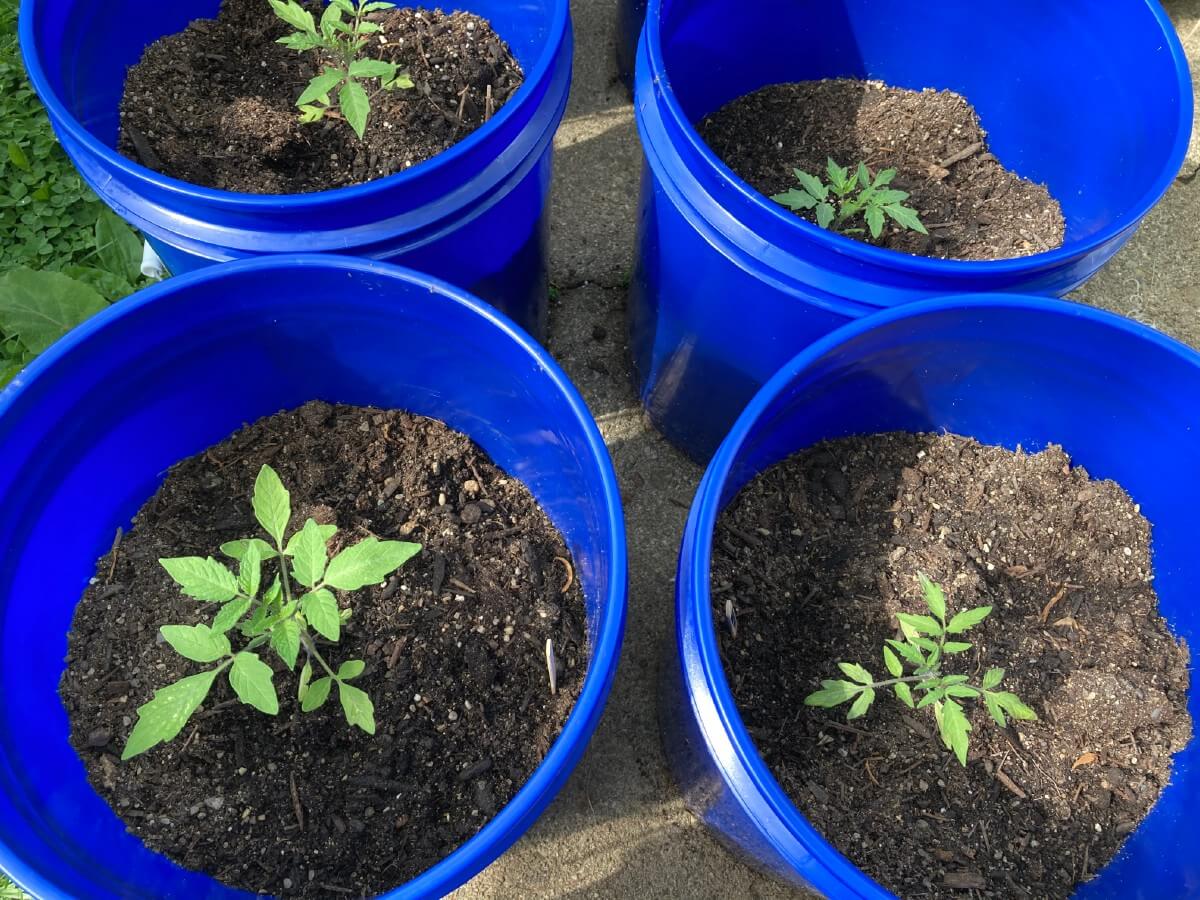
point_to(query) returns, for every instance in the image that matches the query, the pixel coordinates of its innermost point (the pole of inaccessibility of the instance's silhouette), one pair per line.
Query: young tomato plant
(341, 36)
(923, 650)
(851, 197)
(284, 615)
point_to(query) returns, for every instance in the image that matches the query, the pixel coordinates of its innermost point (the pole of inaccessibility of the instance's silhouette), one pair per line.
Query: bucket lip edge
(803, 232)
(542, 73)
(702, 522)
(516, 816)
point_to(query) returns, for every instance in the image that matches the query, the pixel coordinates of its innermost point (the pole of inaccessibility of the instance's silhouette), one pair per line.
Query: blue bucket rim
(503, 829)
(706, 507)
(233, 200)
(911, 263)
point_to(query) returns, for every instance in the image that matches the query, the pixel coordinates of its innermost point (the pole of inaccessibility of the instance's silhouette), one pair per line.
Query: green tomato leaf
(968, 618)
(961, 690)
(368, 562)
(874, 219)
(894, 666)
(911, 654)
(306, 673)
(995, 709)
(357, 706)
(992, 678)
(272, 504)
(295, 15)
(202, 578)
(300, 42)
(886, 198)
(905, 217)
(954, 728)
(317, 694)
(351, 669)
(861, 705)
(934, 696)
(923, 624)
(325, 531)
(795, 200)
(402, 82)
(308, 554)
(832, 693)
(230, 614)
(855, 672)
(237, 549)
(355, 106)
(40, 307)
(935, 597)
(250, 678)
(198, 643)
(373, 68)
(285, 640)
(162, 718)
(319, 87)
(825, 215)
(250, 571)
(321, 610)
(837, 175)
(955, 647)
(905, 695)
(812, 184)
(884, 178)
(1012, 705)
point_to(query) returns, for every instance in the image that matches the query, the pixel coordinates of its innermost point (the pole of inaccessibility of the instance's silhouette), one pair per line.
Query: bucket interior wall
(1098, 152)
(1122, 407)
(84, 446)
(99, 44)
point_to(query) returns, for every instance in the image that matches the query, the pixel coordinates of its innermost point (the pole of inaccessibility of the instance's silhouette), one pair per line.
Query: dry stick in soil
(276, 615)
(925, 655)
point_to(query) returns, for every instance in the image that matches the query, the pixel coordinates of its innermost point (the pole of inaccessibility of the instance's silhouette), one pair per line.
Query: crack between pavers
(591, 282)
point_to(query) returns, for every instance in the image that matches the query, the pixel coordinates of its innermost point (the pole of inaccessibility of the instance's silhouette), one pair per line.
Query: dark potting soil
(818, 554)
(302, 805)
(971, 205)
(215, 104)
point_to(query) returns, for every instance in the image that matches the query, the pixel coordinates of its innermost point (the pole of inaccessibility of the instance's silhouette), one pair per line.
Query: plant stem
(907, 679)
(310, 647)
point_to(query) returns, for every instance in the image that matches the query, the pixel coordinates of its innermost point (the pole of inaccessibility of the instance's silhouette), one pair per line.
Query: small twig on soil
(396, 651)
(489, 105)
(296, 807)
(964, 881)
(334, 888)
(552, 665)
(1010, 784)
(224, 704)
(191, 737)
(965, 153)
(462, 103)
(870, 771)
(1062, 592)
(570, 573)
(849, 729)
(116, 552)
(462, 587)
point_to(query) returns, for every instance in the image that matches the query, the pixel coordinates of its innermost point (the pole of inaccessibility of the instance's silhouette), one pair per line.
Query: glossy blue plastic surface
(1123, 400)
(1095, 100)
(88, 430)
(473, 215)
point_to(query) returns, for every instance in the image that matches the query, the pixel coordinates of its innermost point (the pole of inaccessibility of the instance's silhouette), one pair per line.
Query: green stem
(907, 679)
(310, 647)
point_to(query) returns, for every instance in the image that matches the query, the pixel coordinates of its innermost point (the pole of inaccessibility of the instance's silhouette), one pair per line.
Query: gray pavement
(619, 829)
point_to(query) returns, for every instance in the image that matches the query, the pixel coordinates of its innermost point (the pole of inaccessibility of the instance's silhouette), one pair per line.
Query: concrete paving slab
(619, 828)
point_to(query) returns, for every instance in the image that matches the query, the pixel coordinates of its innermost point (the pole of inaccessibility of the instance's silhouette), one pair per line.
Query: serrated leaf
(905, 217)
(320, 609)
(825, 215)
(961, 690)
(295, 15)
(832, 693)
(795, 200)
(325, 531)
(934, 696)
(991, 678)
(837, 175)
(935, 597)
(319, 87)
(163, 717)
(855, 672)
(308, 554)
(369, 28)
(874, 221)
(285, 640)
(925, 644)
(955, 647)
(373, 68)
(892, 662)
(300, 42)
(198, 643)
(1012, 705)
(370, 561)
(905, 695)
(306, 673)
(230, 614)
(885, 198)
(351, 669)
(317, 694)
(966, 619)
(118, 248)
(377, 5)
(357, 706)
(202, 578)
(989, 700)
(250, 679)
(310, 114)
(40, 307)
(954, 729)
(355, 106)
(811, 184)
(861, 705)
(250, 571)
(402, 82)
(923, 624)
(237, 549)
(884, 178)
(863, 175)
(954, 679)
(272, 503)
(345, 5)
(333, 13)
(910, 653)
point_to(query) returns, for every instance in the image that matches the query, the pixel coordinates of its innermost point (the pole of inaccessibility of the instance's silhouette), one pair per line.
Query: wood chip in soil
(301, 805)
(215, 105)
(838, 535)
(973, 207)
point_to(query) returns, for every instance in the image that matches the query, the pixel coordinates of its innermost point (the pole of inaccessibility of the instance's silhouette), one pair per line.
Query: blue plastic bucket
(1093, 99)
(1007, 370)
(87, 431)
(473, 215)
